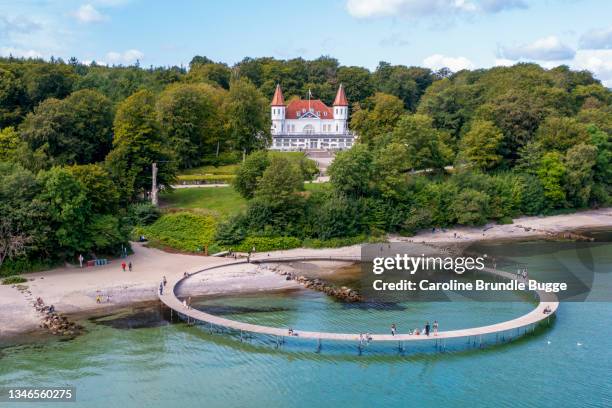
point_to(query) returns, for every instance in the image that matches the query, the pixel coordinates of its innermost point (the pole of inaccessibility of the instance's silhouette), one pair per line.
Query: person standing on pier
(393, 329)
(435, 327)
(427, 329)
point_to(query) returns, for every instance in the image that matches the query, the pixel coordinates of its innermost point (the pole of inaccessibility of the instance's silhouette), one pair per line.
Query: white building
(310, 124)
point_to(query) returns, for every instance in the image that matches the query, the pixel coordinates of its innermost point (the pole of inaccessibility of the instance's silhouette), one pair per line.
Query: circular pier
(547, 306)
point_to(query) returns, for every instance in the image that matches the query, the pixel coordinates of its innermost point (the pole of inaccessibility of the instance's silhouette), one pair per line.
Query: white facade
(310, 124)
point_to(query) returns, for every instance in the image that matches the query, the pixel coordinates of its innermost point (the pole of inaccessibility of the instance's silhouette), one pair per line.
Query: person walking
(130, 267)
(123, 266)
(427, 328)
(164, 280)
(435, 327)
(81, 259)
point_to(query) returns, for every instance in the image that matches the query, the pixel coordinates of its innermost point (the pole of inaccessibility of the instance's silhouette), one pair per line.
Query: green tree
(212, 73)
(407, 83)
(561, 133)
(191, 120)
(280, 180)
(578, 182)
(551, 173)
(391, 170)
(12, 98)
(603, 165)
(67, 209)
(248, 116)
(10, 145)
(533, 201)
(376, 118)
(48, 81)
(426, 145)
(139, 143)
(249, 173)
(336, 218)
(351, 170)
(22, 223)
(99, 188)
(76, 130)
(480, 145)
(356, 81)
(471, 207)
(105, 234)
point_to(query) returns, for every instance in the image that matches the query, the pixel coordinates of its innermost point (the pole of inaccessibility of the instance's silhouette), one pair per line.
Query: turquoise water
(138, 359)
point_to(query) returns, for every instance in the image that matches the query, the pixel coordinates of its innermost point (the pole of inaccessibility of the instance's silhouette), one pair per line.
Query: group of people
(129, 266)
(367, 337)
(100, 296)
(426, 330)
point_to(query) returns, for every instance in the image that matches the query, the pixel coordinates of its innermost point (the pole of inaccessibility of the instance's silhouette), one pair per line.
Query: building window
(308, 129)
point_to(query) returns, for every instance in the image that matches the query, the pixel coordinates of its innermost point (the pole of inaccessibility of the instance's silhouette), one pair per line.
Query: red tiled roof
(301, 106)
(340, 97)
(278, 99)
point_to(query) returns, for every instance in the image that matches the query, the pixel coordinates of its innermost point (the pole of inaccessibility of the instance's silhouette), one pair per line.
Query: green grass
(317, 186)
(222, 200)
(229, 169)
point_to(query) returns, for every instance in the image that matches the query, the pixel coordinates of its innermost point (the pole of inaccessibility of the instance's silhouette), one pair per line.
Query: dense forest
(435, 149)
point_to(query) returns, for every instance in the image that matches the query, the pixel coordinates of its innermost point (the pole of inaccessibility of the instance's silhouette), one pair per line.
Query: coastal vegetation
(78, 142)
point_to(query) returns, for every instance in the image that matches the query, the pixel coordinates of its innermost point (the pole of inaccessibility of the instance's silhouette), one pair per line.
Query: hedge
(262, 244)
(205, 178)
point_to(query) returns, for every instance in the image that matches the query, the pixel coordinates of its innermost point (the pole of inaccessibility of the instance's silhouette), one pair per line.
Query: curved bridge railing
(547, 306)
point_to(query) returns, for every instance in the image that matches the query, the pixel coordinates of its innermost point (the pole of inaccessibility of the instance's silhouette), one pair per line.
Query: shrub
(471, 207)
(20, 265)
(222, 159)
(142, 214)
(232, 231)
(185, 231)
(14, 280)
(336, 242)
(262, 244)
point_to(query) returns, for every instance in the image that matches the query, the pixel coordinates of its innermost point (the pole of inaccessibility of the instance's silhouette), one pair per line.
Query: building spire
(340, 97)
(278, 99)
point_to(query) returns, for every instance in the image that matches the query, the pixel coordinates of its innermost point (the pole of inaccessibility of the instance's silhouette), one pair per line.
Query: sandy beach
(73, 290)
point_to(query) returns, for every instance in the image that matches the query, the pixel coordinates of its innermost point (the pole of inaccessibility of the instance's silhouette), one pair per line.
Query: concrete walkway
(169, 298)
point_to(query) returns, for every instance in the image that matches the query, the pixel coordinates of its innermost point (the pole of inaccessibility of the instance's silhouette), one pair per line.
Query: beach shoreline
(73, 290)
